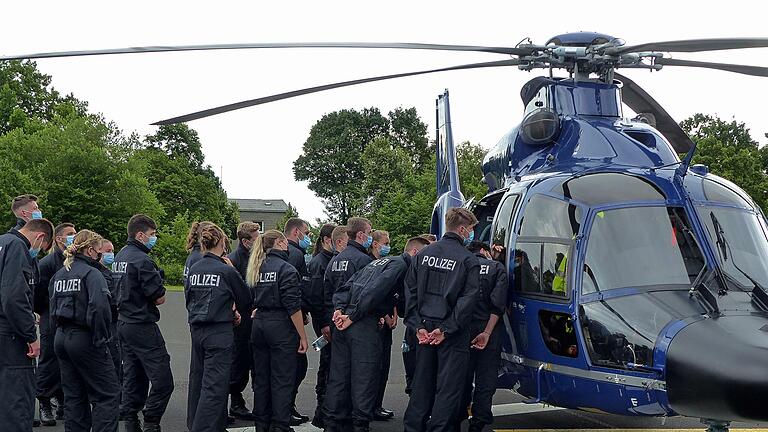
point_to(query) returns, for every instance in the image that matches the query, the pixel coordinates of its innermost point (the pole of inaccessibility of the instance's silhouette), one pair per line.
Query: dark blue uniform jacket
(239, 258)
(493, 289)
(372, 290)
(313, 298)
(296, 259)
(340, 269)
(212, 288)
(279, 285)
(194, 256)
(48, 267)
(80, 297)
(139, 284)
(442, 286)
(18, 272)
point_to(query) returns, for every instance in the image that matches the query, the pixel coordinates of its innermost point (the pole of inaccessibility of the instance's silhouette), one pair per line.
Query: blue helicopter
(638, 282)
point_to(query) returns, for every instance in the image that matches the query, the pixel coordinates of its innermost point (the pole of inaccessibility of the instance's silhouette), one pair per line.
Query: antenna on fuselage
(686, 162)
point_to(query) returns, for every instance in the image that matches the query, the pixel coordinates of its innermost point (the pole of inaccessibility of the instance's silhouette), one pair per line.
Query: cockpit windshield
(740, 243)
(640, 247)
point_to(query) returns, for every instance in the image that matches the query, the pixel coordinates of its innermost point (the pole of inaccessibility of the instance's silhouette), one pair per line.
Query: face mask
(33, 252)
(469, 239)
(368, 242)
(151, 242)
(70, 239)
(305, 243)
(107, 258)
(384, 251)
(37, 214)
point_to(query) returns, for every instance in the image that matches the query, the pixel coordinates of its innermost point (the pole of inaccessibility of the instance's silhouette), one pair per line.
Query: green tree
(730, 152)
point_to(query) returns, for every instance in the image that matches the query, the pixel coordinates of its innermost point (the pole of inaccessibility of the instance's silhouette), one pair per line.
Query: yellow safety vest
(559, 283)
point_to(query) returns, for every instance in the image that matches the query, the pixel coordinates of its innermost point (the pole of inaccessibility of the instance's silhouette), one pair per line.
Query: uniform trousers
(91, 390)
(483, 370)
(17, 385)
(209, 373)
(242, 359)
(48, 371)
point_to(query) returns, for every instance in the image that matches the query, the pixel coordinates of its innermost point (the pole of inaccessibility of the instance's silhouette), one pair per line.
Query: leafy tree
(333, 155)
(730, 152)
(179, 141)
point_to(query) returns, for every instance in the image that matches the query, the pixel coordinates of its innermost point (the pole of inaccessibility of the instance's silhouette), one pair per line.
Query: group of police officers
(102, 357)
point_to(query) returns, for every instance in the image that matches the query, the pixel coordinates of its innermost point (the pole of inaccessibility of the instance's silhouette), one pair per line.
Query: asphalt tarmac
(509, 410)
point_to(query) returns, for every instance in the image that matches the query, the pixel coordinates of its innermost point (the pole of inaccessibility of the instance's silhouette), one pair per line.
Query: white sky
(256, 147)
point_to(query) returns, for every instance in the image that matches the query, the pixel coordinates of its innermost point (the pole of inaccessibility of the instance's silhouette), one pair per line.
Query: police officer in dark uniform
(485, 355)
(48, 374)
(278, 331)
(214, 293)
(442, 289)
(107, 251)
(247, 232)
(297, 233)
(145, 357)
(380, 249)
(358, 347)
(25, 208)
(80, 312)
(338, 406)
(314, 304)
(18, 336)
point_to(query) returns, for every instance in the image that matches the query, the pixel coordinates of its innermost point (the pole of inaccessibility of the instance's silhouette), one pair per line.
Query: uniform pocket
(434, 304)
(199, 302)
(64, 308)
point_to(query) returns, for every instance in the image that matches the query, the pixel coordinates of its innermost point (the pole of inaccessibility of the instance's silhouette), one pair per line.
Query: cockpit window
(640, 247)
(550, 217)
(716, 192)
(739, 242)
(600, 188)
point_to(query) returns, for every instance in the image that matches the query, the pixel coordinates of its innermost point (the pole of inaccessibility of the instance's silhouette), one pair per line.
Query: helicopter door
(541, 316)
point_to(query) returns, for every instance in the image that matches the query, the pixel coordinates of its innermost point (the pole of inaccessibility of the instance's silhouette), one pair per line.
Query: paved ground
(509, 410)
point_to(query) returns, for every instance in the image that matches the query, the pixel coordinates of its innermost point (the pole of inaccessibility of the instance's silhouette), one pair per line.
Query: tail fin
(448, 191)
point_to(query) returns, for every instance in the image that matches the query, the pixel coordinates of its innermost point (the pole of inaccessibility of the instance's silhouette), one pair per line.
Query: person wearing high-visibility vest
(559, 283)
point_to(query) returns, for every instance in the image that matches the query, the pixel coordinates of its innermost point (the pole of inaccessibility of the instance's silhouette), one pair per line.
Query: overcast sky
(254, 148)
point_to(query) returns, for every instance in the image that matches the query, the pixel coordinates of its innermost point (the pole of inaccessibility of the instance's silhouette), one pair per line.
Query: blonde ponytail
(83, 240)
(263, 244)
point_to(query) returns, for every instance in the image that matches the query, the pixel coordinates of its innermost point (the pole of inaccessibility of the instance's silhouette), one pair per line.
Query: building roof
(261, 205)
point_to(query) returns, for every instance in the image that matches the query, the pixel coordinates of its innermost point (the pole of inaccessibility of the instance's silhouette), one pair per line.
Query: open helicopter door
(448, 191)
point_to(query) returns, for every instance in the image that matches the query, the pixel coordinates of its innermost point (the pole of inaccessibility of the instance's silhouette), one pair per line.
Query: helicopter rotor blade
(641, 102)
(294, 93)
(693, 45)
(742, 69)
(171, 48)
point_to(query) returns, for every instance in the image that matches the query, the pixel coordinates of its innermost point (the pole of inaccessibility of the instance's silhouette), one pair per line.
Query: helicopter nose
(717, 368)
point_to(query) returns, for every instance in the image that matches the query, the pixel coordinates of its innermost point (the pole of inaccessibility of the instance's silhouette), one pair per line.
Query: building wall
(268, 220)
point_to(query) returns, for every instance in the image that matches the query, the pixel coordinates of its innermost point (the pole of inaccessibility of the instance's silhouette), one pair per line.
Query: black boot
(260, 427)
(380, 414)
(130, 424)
(46, 413)
(318, 420)
(475, 427)
(237, 408)
(275, 428)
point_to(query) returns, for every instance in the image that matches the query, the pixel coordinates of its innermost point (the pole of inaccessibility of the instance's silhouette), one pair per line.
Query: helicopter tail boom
(448, 188)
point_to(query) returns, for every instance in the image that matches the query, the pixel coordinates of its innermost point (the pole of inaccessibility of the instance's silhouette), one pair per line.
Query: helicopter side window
(550, 217)
(601, 188)
(501, 225)
(558, 334)
(714, 191)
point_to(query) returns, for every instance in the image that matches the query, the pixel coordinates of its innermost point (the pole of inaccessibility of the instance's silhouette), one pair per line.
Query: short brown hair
(416, 242)
(294, 223)
(429, 237)
(21, 201)
(42, 226)
(140, 223)
(356, 225)
(338, 232)
(379, 235)
(245, 230)
(457, 216)
(61, 227)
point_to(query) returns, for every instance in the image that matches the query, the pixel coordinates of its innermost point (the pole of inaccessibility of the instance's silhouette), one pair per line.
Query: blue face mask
(469, 239)
(151, 242)
(368, 242)
(33, 252)
(305, 243)
(70, 240)
(384, 251)
(107, 258)
(37, 214)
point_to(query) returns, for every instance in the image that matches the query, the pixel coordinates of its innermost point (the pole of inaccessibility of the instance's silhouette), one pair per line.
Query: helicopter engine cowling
(540, 127)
